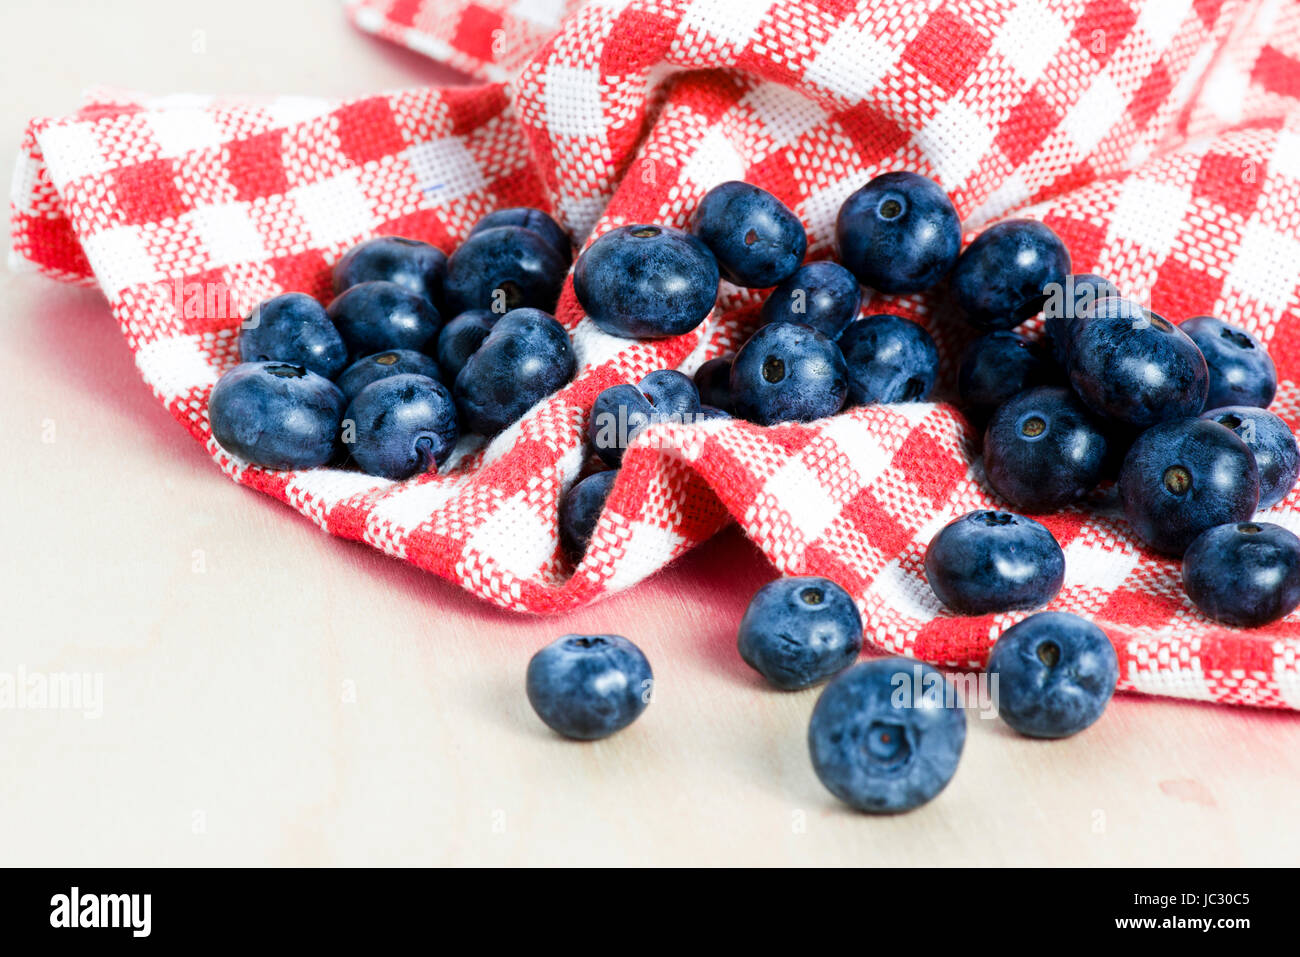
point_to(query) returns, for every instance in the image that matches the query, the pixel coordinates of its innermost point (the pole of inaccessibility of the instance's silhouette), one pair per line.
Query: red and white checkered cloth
(1160, 138)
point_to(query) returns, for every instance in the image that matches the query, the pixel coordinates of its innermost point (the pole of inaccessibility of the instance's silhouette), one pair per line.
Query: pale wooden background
(300, 700)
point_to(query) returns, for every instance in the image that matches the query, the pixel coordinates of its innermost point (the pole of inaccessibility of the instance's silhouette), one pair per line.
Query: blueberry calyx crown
(1033, 427)
(890, 208)
(812, 596)
(1177, 479)
(512, 294)
(1229, 420)
(387, 359)
(586, 641)
(1049, 653)
(644, 232)
(887, 743)
(773, 369)
(284, 370)
(1238, 339)
(995, 518)
(1249, 528)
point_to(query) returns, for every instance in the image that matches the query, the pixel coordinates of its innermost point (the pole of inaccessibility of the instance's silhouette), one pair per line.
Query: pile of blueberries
(376, 377)
(1115, 393)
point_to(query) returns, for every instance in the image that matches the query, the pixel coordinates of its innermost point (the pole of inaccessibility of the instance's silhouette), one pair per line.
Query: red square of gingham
(1160, 138)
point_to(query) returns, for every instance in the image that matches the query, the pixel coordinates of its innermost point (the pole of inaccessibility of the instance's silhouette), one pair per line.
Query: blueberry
(1136, 367)
(713, 382)
(672, 393)
(293, 328)
(1241, 372)
(503, 268)
(799, 631)
(994, 561)
(276, 415)
(579, 510)
(1270, 441)
(1007, 273)
(589, 686)
(410, 263)
(788, 372)
(997, 366)
(461, 337)
(889, 359)
(1181, 478)
(757, 241)
(377, 316)
(401, 426)
(381, 365)
(526, 357)
(1055, 674)
(884, 736)
(646, 282)
(823, 295)
(534, 219)
(1066, 306)
(1044, 450)
(1245, 575)
(899, 233)
(617, 416)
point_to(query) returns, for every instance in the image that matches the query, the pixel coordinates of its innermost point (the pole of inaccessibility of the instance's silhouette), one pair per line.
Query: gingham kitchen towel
(1160, 138)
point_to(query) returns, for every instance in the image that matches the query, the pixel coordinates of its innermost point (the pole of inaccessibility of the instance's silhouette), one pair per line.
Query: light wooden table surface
(274, 696)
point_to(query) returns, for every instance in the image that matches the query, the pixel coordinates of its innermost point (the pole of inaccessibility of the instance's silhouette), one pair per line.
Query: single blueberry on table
(503, 268)
(1067, 305)
(823, 295)
(1271, 442)
(293, 328)
(526, 357)
(1241, 371)
(989, 561)
(276, 415)
(889, 359)
(672, 393)
(589, 686)
(1136, 367)
(401, 425)
(381, 365)
(1245, 575)
(617, 416)
(579, 510)
(460, 338)
(788, 372)
(1055, 673)
(1007, 273)
(1044, 450)
(1180, 478)
(534, 219)
(377, 316)
(410, 263)
(713, 382)
(885, 736)
(997, 366)
(899, 233)
(646, 282)
(755, 238)
(799, 631)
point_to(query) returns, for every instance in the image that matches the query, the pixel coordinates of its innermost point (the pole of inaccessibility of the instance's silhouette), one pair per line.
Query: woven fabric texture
(1159, 138)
